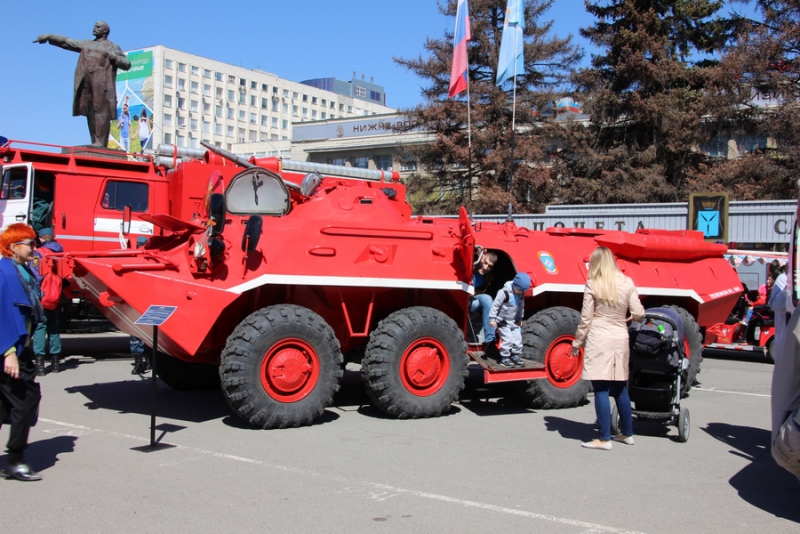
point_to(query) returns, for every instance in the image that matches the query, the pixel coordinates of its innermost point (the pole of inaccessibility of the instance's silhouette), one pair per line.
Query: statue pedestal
(96, 152)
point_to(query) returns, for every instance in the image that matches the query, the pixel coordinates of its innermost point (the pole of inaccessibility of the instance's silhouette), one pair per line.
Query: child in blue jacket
(508, 310)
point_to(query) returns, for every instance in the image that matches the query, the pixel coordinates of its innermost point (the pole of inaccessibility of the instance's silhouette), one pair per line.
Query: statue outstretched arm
(60, 41)
(118, 58)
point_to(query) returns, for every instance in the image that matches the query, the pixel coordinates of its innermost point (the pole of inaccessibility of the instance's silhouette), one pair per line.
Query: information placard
(156, 315)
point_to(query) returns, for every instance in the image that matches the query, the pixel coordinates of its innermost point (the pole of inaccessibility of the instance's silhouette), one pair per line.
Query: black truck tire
(186, 376)
(415, 363)
(280, 367)
(547, 338)
(693, 344)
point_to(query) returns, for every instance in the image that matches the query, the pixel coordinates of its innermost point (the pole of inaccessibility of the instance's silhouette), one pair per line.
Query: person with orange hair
(20, 309)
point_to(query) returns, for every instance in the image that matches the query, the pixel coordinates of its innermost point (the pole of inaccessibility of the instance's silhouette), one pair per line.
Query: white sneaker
(627, 440)
(597, 444)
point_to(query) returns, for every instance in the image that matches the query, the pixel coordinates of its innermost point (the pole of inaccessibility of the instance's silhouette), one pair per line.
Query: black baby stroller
(657, 371)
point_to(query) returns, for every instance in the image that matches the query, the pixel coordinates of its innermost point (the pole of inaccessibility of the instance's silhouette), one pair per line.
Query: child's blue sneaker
(506, 362)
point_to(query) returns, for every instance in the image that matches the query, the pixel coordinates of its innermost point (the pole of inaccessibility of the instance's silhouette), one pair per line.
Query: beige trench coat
(604, 331)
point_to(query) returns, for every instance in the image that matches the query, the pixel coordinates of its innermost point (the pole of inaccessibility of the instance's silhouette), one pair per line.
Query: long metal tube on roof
(335, 170)
(171, 151)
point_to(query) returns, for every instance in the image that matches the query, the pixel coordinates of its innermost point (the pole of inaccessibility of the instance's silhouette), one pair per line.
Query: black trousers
(19, 398)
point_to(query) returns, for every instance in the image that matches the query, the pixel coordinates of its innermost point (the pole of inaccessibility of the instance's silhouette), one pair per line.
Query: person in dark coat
(19, 311)
(48, 329)
(95, 93)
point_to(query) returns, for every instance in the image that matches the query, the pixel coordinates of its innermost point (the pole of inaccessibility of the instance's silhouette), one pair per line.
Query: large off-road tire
(693, 345)
(547, 338)
(415, 363)
(281, 367)
(185, 376)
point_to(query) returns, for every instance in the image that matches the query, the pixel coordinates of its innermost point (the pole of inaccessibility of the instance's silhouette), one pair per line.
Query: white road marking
(385, 491)
(715, 390)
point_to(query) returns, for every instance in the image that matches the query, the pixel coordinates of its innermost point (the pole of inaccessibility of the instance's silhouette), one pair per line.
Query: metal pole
(153, 365)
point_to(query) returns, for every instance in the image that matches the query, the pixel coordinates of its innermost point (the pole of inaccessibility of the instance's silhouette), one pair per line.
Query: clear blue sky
(294, 40)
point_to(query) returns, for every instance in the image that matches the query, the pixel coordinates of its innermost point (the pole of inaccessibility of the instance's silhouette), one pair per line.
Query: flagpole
(469, 144)
(513, 115)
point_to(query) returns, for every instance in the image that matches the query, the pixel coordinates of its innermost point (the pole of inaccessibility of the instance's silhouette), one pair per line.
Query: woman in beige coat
(608, 297)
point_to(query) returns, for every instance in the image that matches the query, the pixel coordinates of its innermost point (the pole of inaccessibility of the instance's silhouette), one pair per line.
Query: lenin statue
(95, 94)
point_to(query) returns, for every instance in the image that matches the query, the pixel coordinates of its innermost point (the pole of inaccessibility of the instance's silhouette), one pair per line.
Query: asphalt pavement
(490, 465)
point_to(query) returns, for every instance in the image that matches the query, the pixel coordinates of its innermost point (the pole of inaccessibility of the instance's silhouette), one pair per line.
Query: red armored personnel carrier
(279, 277)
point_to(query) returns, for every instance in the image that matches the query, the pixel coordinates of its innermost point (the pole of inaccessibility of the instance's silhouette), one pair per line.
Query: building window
(242, 98)
(285, 107)
(322, 115)
(285, 92)
(333, 104)
(263, 103)
(181, 84)
(263, 136)
(206, 127)
(408, 165)
(230, 113)
(182, 67)
(746, 144)
(193, 105)
(253, 118)
(181, 103)
(251, 136)
(231, 97)
(294, 111)
(218, 111)
(195, 70)
(715, 148)
(168, 64)
(218, 92)
(375, 95)
(181, 121)
(206, 90)
(167, 119)
(193, 124)
(206, 73)
(194, 87)
(383, 163)
(360, 91)
(284, 124)
(264, 87)
(313, 99)
(349, 109)
(219, 76)
(230, 131)
(206, 108)
(253, 85)
(274, 137)
(341, 107)
(241, 115)
(168, 81)
(305, 98)
(313, 114)
(274, 90)
(323, 102)
(168, 138)
(168, 101)
(305, 113)
(264, 120)
(231, 78)
(218, 129)
(294, 95)
(362, 162)
(274, 122)
(337, 161)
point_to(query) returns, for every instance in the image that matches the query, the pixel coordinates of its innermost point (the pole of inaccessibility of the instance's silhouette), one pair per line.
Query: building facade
(182, 99)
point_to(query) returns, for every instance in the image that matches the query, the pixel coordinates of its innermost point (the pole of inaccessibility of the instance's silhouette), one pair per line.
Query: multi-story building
(181, 98)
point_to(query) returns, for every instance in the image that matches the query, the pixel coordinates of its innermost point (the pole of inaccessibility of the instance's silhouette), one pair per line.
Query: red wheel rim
(424, 367)
(289, 370)
(563, 370)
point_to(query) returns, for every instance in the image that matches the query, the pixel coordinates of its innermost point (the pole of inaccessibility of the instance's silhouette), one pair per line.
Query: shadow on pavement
(761, 483)
(133, 396)
(43, 454)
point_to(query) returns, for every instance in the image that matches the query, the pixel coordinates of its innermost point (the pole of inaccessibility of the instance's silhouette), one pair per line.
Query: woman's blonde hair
(603, 275)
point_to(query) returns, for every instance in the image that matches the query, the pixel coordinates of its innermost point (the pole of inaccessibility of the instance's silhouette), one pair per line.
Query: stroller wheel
(683, 425)
(614, 420)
